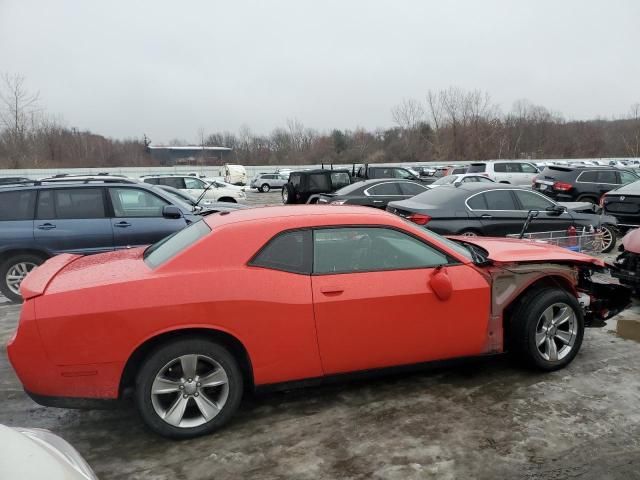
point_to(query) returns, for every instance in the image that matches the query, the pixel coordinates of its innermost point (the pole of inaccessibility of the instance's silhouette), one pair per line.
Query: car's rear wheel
(587, 198)
(469, 233)
(265, 188)
(546, 328)
(13, 271)
(609, 238)
(287, 194)
(188, 388)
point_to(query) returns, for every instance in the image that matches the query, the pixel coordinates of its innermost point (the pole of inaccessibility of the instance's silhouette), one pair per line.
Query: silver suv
(266, 181)
(515, 172)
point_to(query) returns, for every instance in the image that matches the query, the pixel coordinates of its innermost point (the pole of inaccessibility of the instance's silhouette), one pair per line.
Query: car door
(501, 172)
(497, 211)
(374, 306)
(546, 221)
(137, 217)
(523, 173)
(379, 195)
(73, 220)
(607, 180)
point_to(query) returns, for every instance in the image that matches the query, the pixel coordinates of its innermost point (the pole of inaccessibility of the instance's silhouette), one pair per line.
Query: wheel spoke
(189, 364)
(175, 413)
(218, 377)
(541, 337)
(564, 337)
(547, 315)
(552, 350)
(563, 316)
(207, 407)
(164, 385)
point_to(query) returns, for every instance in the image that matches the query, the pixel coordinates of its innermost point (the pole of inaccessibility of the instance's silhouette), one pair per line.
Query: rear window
(167, 248)
(17, 205)
(477, 168)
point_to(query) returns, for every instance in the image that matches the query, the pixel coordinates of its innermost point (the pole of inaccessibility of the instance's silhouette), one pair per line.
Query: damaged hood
(511, 250)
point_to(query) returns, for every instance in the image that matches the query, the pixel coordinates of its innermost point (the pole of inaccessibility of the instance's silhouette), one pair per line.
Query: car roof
(286, 213)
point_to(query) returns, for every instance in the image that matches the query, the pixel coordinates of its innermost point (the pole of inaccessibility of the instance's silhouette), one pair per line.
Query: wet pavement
(488, 419)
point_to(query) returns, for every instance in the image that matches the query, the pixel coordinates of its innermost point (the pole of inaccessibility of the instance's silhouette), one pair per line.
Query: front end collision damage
(600, 300)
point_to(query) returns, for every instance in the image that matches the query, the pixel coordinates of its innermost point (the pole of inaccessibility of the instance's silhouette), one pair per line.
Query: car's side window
(295, 180)
(532, 201)
(133, 202)
(410, 188)
(366, 249)
(500, 167)
(627, 177)
(528, 168)
(499, 200)
(17, 205)
(175, 182)
(477, 202)
(607, 176)
(71, 203)
(194, 183)
(287, 251)
(588, 177)
(383, 189)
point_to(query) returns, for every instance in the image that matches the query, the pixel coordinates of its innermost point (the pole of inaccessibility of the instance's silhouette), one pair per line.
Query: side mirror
(440, 283)
(555, 210)
(171, 211)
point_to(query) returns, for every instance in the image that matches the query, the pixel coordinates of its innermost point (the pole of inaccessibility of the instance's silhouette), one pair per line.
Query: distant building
(189, 155)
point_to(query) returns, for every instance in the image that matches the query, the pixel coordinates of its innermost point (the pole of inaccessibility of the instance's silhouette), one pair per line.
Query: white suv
(194, 186)
(510, 171)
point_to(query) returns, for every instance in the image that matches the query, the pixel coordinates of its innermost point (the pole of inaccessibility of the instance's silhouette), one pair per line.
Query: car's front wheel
(13, 271)
(609, 238)
(188, 388)
(265, 188)
(546, 328)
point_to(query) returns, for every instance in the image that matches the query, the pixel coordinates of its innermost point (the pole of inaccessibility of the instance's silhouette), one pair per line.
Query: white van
(234, 174)
(514, 172)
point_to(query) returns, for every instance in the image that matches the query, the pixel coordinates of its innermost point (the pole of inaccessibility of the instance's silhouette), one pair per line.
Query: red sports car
(281, 294)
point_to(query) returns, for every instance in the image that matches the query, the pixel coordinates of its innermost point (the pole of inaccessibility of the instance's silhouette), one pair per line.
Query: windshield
(167, 248)
(460, 248)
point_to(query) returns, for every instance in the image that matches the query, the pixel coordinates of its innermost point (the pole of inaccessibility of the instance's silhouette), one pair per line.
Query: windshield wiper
(206, 189)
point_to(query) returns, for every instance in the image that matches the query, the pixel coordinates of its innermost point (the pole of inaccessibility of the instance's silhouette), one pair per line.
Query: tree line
(445, 126)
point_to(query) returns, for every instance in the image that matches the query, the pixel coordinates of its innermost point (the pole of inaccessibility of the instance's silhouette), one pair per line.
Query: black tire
(265, 188)
(227, 200)
(288, 194)
(470, 232)
(588, 198)
(7, 265)
(524, 325)
(609, 238)
(169, 352)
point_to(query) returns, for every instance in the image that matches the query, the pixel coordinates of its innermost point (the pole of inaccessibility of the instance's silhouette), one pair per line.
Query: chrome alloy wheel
(607, 238)
(469, 234)
(189, 391)
(17, 273)
(556, 332)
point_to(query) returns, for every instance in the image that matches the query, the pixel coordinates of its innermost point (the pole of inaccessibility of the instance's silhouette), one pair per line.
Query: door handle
(486, 215)
(122, 224)
(331, 290)
(46, 226)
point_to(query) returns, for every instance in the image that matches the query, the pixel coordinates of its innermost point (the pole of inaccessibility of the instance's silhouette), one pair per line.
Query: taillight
(419, 218)
(562, 186)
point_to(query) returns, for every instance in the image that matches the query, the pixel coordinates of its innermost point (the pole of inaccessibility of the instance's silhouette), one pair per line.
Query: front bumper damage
(606, 299)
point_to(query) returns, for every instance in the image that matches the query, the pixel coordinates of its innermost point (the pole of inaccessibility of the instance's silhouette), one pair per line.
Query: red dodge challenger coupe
(275, 295)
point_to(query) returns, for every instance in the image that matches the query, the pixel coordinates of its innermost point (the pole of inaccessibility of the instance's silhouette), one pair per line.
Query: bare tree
(18, 105)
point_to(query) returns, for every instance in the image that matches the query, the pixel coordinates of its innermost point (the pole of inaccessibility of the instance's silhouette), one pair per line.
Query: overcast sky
(167, 68)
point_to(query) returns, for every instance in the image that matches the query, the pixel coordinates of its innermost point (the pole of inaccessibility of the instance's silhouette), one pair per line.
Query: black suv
(43, 218)
(370, 172)
(580, 184)
(305, 183)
